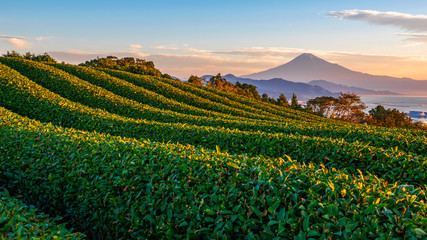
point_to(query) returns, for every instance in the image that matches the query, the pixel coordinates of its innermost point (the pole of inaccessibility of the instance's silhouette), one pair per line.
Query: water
(400, 102)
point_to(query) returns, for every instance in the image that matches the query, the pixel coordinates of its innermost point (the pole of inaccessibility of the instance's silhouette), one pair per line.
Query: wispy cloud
(165, 48)
(200, 51)
(416, 38)
(135, 47)
(18, 43)
(263, 52)
(8, 36)
(416, 23)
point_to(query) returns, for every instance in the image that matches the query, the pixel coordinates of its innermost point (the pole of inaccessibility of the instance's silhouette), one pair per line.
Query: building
(417, 114)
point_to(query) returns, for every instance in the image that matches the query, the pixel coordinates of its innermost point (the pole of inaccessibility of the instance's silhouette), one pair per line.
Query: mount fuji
(307, 67)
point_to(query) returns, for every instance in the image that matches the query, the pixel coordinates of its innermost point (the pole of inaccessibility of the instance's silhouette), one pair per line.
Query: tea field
(91, 153)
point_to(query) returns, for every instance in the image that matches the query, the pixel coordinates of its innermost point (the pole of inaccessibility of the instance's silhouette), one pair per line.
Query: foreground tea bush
(29, 99)
(20, 221)
(113, 187)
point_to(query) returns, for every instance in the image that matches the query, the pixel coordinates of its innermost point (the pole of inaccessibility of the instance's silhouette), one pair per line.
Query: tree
(247, 90)
(294, 102)
(265, 97)
(43, 58)
(196, 80)
(322, 106)
(282, 101)
(391, 118)
(349, 107)
(220, 83)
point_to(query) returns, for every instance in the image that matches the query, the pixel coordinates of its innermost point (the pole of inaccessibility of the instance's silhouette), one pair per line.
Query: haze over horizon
(238, 37)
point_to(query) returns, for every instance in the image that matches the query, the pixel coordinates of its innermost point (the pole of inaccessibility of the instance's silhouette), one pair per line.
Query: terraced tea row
(30, 99)
(356, 133)
(113, 187)
(96, 97)
(81, 91)
(131, 91)
(230, 98)
(20, 221)
(153, 84)
(141, 95)
(405, 140)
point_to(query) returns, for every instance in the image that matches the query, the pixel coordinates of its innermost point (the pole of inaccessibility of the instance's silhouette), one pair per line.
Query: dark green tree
(265, 98)
(391, 118)
(282, 101)
(294, 102)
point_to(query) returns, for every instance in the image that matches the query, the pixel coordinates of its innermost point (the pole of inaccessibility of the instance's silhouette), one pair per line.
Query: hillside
(307, 67)
(119, 155)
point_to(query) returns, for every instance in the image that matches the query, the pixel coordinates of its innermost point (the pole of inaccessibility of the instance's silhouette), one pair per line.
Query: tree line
(128, 64)
(31, 56)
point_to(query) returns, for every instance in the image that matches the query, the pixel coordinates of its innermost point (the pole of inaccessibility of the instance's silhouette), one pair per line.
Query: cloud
(415, 23)
(18, 43)
(263, 52)
(200, 51)
(165, 48)
(416, 38)
(135, 47)
(17, 37)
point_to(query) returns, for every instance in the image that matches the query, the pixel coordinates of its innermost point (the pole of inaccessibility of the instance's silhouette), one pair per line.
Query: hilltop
(121, 155)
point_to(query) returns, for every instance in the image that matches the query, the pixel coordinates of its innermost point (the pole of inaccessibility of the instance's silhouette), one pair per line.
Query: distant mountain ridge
(333, 87)
(307, 67)
(274, 87)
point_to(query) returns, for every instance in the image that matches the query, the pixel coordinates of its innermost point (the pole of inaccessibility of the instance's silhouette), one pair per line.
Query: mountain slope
(307, 67)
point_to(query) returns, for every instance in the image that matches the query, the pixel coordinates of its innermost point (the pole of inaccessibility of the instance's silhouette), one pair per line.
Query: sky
(186, 37)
